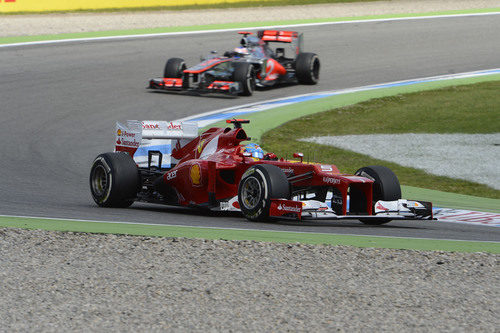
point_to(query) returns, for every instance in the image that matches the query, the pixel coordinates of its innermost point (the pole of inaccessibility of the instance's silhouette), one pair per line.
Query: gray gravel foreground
(55, 281)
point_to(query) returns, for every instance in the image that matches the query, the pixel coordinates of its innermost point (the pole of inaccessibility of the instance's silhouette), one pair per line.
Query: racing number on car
(269, 67)
(171, 175)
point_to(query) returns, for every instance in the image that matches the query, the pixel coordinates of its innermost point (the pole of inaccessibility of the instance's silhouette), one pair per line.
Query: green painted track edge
(112, 33)
(254, 235)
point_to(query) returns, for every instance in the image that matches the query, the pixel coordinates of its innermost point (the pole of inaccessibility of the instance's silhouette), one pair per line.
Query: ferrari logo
(200, 146)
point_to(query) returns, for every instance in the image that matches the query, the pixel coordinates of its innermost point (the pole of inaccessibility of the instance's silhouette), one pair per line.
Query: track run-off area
(60, 102)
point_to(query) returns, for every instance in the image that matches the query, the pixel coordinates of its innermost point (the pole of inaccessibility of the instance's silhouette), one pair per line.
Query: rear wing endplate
(138, 138)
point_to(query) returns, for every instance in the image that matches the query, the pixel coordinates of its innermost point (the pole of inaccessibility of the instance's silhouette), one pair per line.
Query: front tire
(386, 187)
(307, 67)
(258, 185)
(244, 73)
(174, 68)
(114, 179)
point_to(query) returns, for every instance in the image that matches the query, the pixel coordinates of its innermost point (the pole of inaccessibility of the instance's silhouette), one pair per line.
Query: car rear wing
(147, 140)
(282, 36)
(278, 36)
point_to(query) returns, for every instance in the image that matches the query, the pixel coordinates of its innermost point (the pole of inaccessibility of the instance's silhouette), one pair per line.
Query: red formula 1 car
(169, 163)
(257, 62)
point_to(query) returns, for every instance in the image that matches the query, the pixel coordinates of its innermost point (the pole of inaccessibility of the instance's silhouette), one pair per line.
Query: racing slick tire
(307, 68)
(174, 68)
(385, 187)
(258, 185)
(244, 73)
(114, 180)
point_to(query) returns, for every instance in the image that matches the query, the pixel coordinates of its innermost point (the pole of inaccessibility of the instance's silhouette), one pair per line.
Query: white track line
(242, 28)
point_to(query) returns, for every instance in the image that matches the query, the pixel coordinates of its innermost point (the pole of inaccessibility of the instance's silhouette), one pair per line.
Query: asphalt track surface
(59, 104)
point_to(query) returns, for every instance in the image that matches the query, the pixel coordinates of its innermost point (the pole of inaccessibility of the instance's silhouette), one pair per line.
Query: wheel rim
(99, 181)
(315, 69)
(251, 82)
(251, 192)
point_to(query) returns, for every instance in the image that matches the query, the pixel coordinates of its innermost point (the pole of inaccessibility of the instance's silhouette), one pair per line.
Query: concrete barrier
(10, 6)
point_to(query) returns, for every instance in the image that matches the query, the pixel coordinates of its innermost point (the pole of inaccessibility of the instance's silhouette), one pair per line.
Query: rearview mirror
(299, 155)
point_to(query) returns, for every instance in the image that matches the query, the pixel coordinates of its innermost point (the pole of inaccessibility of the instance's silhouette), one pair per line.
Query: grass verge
(456, 109)
(256, 235)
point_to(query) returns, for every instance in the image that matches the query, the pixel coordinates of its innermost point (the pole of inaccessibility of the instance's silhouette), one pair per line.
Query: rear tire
(258, 185)
(114, 180)
(307, 67)
(174, 68)
(386, 187)
(244, 73)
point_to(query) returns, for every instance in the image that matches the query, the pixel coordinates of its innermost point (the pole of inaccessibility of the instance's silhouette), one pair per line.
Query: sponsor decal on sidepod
(172, 175)
(195, 174)
(288, 171)
(330, 180)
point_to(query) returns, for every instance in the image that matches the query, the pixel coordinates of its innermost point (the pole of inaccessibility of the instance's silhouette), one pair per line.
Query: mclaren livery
(265, 60)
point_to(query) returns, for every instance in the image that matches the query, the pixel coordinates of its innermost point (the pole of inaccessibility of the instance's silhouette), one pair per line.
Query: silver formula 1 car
(259, 61)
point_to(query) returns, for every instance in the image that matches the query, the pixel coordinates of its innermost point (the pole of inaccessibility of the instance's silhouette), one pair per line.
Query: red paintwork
(203, 160)
(222, 85)
(177, 83)
(288, 208)
(279, 36)
(273, 70)
(172, 82)
(131, 151)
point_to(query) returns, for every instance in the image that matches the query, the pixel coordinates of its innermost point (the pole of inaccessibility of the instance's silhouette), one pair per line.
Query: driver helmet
(254, 150)
(241, 50)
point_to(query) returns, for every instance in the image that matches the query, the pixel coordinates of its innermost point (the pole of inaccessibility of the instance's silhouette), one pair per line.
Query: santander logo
(130, 143)
(158, 126)
(173, 126)
(289, 208)
(379, 206)
(150, 126)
